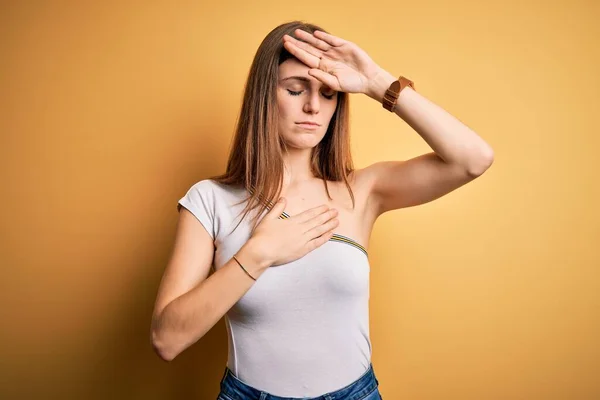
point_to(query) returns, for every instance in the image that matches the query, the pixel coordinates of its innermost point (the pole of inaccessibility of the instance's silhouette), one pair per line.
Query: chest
(355, 219)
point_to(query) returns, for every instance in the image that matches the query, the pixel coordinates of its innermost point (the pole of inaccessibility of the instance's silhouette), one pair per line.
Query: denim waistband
(233, 387)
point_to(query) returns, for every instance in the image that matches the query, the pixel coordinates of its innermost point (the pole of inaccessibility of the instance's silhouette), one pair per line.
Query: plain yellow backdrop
(110, 111)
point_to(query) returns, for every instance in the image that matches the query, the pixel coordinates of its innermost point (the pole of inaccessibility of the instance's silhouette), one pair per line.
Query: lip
(308, 127)
(308, 123)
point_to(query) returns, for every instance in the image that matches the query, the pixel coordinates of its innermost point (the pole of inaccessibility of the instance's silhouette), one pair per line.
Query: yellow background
(110, 111)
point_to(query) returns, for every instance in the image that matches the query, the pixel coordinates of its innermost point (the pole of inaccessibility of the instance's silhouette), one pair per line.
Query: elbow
(161, 347)
(481, 163)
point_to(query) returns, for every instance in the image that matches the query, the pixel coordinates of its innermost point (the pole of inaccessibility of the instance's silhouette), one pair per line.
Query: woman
(292, 280)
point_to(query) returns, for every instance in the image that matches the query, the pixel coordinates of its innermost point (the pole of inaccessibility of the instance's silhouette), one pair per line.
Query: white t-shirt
(302, 329)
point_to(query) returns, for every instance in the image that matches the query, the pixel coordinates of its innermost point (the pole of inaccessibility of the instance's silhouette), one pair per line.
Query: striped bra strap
(336, 237)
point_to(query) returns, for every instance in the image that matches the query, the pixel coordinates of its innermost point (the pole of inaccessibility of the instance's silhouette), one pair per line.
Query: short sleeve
(200, 201)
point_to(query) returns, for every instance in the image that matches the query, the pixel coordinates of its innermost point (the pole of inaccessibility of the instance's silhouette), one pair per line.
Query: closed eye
(293, 93)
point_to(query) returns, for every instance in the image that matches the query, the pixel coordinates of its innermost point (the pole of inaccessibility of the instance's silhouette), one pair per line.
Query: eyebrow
(301, 78)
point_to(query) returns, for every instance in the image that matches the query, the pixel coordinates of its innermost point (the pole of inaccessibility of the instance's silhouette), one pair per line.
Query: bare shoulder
(360, 186)
(360, 182)
(361, 179)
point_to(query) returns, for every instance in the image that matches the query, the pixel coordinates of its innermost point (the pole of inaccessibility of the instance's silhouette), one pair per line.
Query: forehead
(292, 71)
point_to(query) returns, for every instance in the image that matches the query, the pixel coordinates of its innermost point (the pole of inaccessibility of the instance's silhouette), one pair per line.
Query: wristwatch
(392, 93)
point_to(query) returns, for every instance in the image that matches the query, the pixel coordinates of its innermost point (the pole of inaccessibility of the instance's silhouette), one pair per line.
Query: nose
(313, 104)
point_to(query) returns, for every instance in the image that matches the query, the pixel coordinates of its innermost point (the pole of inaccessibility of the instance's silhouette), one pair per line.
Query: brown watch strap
(392, 93)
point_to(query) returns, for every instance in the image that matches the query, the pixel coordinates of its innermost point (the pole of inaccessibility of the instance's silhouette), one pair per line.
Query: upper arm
(190, 261)
(400, 184)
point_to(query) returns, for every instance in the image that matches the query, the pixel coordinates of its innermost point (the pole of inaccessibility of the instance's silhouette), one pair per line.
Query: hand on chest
(353, 226)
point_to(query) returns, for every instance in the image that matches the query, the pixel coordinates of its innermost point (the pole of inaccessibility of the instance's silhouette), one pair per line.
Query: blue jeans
(364, 388)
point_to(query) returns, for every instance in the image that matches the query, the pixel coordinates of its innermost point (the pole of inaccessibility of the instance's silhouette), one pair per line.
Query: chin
(307, 143)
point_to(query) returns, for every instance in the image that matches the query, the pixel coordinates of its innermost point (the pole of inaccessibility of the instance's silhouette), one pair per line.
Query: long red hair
(256, 155)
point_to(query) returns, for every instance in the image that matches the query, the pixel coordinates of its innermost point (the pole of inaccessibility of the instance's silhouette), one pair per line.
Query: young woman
(292, 278)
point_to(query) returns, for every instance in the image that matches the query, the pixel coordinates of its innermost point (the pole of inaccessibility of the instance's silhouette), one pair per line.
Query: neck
(297, 166)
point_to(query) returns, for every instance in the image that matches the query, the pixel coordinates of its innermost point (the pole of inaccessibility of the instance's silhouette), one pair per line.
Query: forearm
(449, 138)
(189, 317)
